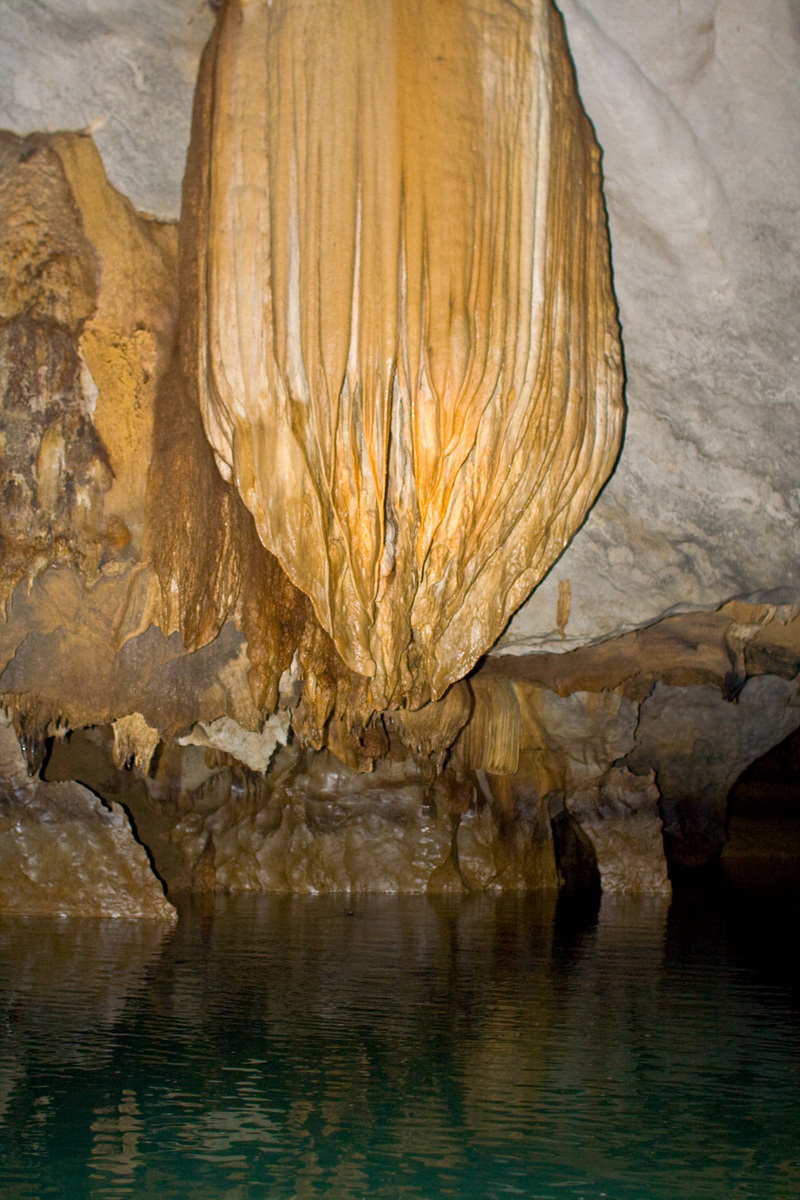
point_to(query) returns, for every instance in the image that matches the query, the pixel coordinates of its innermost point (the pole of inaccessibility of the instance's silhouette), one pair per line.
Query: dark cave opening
(762, 851)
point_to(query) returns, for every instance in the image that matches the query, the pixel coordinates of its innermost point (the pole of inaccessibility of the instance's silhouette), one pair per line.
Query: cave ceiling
(330, 457)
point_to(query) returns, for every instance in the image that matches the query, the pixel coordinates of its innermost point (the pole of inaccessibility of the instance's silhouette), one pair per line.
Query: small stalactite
(34, 722)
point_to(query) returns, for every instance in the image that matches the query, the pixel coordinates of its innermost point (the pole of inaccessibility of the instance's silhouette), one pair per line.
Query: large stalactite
(397, 316)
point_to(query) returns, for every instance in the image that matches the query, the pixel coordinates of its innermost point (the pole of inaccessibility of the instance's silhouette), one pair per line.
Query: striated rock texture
(155, 651)
(696, 109)
(397, 313)
(561, 753)
(63, 852)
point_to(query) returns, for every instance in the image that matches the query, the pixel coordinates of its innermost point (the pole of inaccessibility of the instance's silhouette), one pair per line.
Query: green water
(402, 1047)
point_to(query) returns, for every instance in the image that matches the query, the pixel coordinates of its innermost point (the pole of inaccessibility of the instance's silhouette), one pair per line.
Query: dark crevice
(575, 857)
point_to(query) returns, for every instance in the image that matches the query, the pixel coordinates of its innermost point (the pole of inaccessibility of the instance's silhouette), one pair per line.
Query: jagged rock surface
(560, 752)
(315, 825)
(63, 852)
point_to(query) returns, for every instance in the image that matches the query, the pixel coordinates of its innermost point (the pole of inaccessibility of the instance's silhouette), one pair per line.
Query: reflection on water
(407, 1047)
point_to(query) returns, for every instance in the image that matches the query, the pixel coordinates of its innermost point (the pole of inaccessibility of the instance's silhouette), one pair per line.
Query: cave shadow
(84, 756)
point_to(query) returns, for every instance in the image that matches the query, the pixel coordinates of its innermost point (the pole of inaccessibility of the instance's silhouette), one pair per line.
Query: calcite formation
(696, 109)
(623, 822)
(397, 313)
(312, 824)
(282, 699)
(697, 112)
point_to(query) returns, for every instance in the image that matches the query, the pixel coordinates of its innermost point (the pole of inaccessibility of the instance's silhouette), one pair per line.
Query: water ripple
(471, 1048)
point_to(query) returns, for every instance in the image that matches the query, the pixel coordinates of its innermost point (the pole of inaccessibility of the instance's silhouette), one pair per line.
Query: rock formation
(397, 313)
(293, 698)
(64, 852)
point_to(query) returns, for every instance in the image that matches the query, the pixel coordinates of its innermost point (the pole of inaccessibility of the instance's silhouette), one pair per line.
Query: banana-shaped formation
(398, 314)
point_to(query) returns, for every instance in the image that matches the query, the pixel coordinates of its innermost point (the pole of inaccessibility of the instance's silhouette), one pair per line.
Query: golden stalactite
(211, 566)
(397, 314)
(429, 731)
(491, 740)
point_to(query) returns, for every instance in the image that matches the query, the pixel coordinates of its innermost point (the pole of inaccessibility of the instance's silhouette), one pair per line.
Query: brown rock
(65, 853)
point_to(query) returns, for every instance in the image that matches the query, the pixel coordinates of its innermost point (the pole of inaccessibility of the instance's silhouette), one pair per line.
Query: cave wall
(696, 110)
(697, 114)
(656, 660)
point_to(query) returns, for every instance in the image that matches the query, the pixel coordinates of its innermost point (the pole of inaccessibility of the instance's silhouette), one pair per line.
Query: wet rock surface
(63, 852)
(312, 824)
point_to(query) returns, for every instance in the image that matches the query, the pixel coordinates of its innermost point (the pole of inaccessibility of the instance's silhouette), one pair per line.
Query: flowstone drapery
(397, 314)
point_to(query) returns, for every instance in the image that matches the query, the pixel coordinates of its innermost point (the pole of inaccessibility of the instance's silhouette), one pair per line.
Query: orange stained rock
(397, 312)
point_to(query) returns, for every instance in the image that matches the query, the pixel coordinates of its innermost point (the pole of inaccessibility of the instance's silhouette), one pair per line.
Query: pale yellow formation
(134, 741)
(398, 312)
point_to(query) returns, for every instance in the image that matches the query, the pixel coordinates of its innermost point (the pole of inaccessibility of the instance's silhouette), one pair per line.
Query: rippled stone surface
(697, 112)
(397, 314)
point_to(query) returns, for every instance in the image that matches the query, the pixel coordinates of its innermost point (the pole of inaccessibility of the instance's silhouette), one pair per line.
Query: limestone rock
(723, 648)
(696, 110)
(491, 739)
(313, 824)
(537, 753)
(134, 741)
(328, 830)
(87, 311)
(64, 853)
(622, 819)
(430, 731)
(55, 468)
(61, 659)
(698, 114)
(397, 314)
(125, 71)
(564, 741)
(698, 744)
(128, 339)
(254, 748)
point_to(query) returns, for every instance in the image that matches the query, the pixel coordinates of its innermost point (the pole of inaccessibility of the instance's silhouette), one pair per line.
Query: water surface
(402, 1047)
